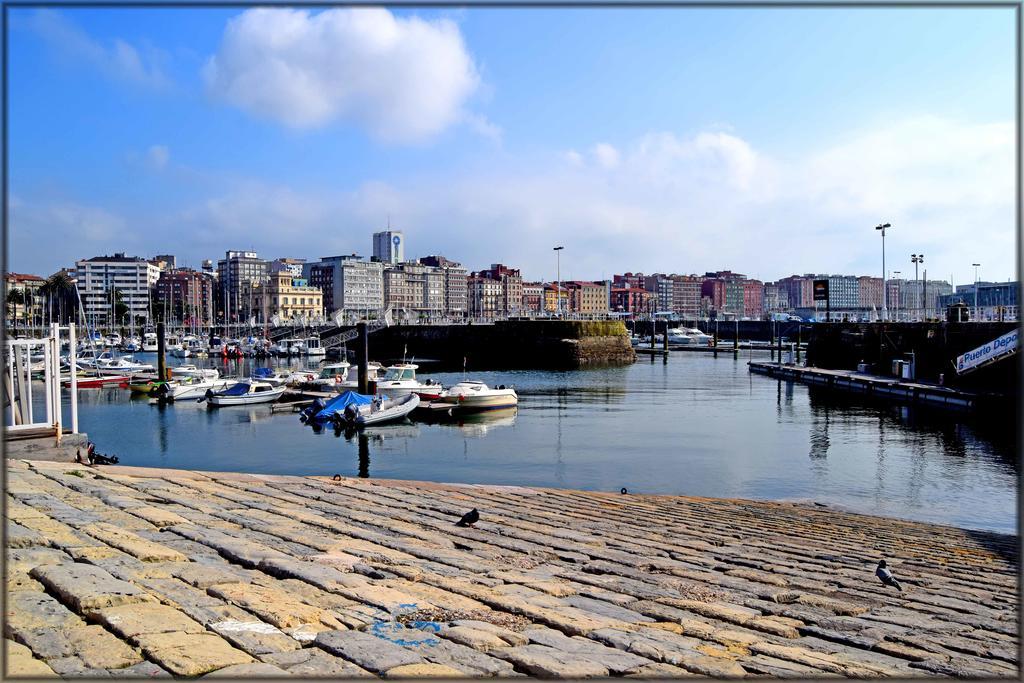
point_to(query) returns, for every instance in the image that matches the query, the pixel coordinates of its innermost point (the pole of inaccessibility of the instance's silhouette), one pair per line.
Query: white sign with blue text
(990, 351)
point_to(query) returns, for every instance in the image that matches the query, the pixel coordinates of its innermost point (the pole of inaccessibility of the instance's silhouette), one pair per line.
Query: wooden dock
(872, 385)
(132, 571)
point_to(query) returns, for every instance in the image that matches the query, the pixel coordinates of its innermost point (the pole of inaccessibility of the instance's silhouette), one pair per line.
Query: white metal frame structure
(18, 385)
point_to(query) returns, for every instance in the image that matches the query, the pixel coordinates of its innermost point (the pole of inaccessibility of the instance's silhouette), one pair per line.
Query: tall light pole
(899, 294)
(976, 265)
(558, 279)
(916, 259)
(885, 298)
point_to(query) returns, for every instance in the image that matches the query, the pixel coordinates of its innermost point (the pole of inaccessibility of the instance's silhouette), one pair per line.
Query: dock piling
(161, 352)
(362, 357)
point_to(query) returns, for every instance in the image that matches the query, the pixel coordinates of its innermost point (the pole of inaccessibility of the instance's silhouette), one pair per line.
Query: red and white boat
(98, 382)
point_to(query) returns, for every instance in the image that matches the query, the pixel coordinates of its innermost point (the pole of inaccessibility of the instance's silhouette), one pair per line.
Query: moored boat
(246, 392)
(381, 410)
(475, 395)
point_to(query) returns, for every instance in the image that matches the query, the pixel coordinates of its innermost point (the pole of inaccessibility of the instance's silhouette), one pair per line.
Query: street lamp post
(899, 294)
(916, 259)
(558, 279)
(885, 303)
(976, 265)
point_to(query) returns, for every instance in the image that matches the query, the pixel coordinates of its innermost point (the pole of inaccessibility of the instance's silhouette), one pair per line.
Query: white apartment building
(347, 282)
(102, 280)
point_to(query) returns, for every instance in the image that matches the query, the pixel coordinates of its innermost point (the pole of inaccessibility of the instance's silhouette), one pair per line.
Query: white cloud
(605, 155)
(158, 156)
(672, 203)
(119, 60)
(403, 79)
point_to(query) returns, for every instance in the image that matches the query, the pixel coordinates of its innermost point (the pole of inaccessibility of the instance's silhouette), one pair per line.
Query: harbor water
(694, 425)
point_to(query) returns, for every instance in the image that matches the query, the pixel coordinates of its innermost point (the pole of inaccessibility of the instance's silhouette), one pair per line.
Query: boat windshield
(396, 374)
(330, 372)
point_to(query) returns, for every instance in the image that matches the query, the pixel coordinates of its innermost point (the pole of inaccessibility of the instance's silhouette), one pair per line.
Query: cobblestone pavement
(121, 571)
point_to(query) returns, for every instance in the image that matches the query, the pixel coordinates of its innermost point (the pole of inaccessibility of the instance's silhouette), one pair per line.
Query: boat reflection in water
(472, 424)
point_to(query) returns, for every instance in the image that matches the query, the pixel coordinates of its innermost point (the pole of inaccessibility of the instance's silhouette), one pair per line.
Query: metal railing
(28, 357)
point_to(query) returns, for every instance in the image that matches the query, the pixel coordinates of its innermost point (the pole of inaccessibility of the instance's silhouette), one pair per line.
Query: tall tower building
(389, 246)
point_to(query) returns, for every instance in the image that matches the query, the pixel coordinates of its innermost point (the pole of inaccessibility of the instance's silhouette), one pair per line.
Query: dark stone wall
(935, 345)
(552, 344)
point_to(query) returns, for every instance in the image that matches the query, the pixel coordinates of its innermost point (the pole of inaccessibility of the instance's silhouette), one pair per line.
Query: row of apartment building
(245, 287)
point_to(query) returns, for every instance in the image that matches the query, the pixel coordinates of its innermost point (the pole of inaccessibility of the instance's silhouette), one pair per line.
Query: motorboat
(98, 382)
(699, 338)
(149, 342)
(400, 379)
(313, 347)
(321, 411)
(332, 375)
(121, 366)
(113, 339)
(191, 388)
(373, 373)
(246, 392)
(147, 386)
(193, 371)
(474, 395)
(271, 376)
(132, 345)
(380, 410)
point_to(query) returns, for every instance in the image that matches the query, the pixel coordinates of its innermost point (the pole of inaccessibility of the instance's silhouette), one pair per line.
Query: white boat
(132, 345)
(113, 339)
(474, 395)
(689, 336)
(149, 342)
(245, 392)
(373, 373)
(192, 388)
(313, 347)
(401, 379)
(122, 366)
(381, 410)
(193, 371)
(332, 376)
(275, 378)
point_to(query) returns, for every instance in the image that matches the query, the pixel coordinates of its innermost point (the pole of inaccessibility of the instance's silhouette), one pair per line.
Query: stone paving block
(132, 621)
(94, 646)
(669, 648)
(660, 670)
(21, 581)
(30, 611)
(17, 536)
(369, 652)
(158, 517)
(57, 534)
(254, 637)
(427, 644)
(140, 670)
(19, 663)
(605, 609)
(618, 662)
(547, 662)
(87, 588)
(204, 576)
(423, 671)
(191, 654)
(27, 559)
(251, 670)
(273, 605)
(74, 667)
(312, 662)
(133, 544)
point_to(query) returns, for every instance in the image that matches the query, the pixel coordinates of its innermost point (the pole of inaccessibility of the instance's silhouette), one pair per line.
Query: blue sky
(674, 140)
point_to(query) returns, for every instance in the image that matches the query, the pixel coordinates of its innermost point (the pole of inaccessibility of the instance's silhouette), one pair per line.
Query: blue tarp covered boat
(338, 404)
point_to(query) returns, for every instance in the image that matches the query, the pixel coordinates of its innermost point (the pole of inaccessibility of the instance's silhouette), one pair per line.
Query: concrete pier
(135, 571)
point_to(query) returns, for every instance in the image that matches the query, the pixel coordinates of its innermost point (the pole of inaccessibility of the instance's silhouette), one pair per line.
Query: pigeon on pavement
(886, 576)
(469, 519)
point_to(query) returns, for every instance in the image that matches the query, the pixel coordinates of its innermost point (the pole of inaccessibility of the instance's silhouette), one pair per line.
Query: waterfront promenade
(138, 571)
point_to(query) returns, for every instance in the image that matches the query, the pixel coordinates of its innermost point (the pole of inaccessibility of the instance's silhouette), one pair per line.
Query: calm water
(696, 425)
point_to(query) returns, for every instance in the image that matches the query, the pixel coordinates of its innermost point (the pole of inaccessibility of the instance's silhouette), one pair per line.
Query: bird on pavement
(469, 519)
(886, 577)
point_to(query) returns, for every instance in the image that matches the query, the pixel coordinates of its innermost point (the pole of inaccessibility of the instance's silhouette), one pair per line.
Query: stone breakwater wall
(144, 572)
(541, 344)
